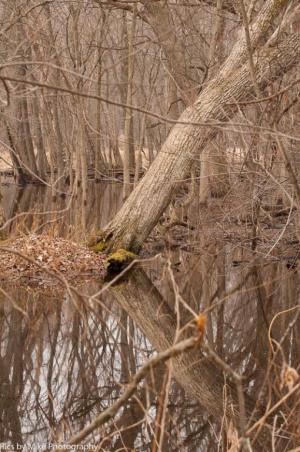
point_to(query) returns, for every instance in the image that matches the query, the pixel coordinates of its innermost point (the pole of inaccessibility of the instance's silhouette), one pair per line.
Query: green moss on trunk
(100, 247)
(118, 260)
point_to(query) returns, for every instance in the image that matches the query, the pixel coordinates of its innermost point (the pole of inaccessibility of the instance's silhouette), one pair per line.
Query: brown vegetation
(190, 111)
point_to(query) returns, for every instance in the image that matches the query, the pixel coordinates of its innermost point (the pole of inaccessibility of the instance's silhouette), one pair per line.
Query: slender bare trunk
(128, 127)
(214, 176)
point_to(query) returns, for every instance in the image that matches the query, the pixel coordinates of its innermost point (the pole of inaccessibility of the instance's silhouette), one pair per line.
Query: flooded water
(67, 355)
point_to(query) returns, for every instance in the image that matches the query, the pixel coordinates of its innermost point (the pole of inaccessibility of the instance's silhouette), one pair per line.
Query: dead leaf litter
(72, 260)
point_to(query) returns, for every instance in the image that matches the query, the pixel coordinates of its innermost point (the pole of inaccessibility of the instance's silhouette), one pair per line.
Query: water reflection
(61, 212)
(66, 355)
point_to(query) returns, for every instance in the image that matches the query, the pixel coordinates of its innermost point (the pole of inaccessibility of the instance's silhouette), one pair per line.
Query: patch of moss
(121, 255)
(118, 260)
(99, 247)
(119, 286)
(5, 239)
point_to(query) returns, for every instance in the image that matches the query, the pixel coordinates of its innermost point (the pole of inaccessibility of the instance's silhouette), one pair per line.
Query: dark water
(66, 356)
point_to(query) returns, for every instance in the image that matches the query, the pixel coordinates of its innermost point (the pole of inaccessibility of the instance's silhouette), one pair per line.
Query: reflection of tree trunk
(289, 287)
(51, 364)
(200, 377)
(295, 342)
(142, 210)
(263, 305)
(11, 382)
(134, 412)
(207, 270)
(15, 158)
(221, 287)
(125, 371)
(8, 408)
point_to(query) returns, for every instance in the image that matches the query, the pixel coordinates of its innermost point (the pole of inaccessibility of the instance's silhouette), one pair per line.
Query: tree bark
(142, 210)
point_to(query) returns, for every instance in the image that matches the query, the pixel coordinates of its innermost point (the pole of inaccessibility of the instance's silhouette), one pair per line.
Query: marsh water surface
(66, 357)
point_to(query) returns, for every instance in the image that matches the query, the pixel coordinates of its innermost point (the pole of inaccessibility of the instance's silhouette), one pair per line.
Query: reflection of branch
(238, 381)
(260, 422)
(110, 412)
(160, 418)
(127, 426)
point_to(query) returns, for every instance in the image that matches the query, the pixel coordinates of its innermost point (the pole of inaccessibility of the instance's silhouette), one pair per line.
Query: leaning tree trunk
(159, 16)
(195, 128)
